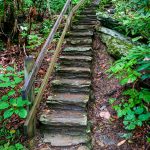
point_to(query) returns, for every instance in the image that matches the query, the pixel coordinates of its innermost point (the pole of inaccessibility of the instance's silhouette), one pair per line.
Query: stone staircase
(65, 123)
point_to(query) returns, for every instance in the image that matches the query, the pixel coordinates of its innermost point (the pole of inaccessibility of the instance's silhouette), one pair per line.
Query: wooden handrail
(29, 82)
(29, 123)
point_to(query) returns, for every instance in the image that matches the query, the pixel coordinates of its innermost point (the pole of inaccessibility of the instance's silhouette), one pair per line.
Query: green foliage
(134, 66)
(17, 146)
(34, 41)
(11, 104)
(134, 16)
(134, 111)
(131, 69)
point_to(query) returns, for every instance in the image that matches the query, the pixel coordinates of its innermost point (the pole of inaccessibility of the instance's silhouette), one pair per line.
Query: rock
(76, 61)
(117, 44)
(64, 118)
(68, 99)
(83, 148)
(81, 34)
(86, 51)
(71, 85)
(104, 139)
(65, 139)
(79, 41)
(105, 115)
(107, 20)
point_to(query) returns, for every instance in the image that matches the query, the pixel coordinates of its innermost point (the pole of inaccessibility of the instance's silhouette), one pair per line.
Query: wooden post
(69, 10)
(28, 65)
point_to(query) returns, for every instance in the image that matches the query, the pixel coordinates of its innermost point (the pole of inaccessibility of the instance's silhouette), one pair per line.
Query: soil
(107, 129)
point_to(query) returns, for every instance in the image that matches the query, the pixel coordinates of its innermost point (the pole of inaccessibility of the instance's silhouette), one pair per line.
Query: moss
(115, 46)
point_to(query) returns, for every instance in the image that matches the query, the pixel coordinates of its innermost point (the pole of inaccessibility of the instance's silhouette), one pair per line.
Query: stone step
(68, 99)
(79, 41)
(83, 19)
(86, 51)
(83, 27)
(76, 61)
(85, 22)
(71, 85)
(80, 34)
(89, 12)
(65, 139)
(73, 72)
(64, 118)
(87, 16)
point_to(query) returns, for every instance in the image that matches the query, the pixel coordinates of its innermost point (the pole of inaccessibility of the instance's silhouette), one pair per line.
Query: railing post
(69, 10)
(28, 65)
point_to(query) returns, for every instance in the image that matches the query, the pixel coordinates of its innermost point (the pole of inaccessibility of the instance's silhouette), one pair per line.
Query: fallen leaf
(122, 142)
(105, 114)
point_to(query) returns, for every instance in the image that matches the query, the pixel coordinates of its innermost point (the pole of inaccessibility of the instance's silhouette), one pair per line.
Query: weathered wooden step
(60, 118)
(74, 72)
(87, 51)
(79, 41)
(82, 27)
(80, 34)
(87, 16)
(71, 85)
(68, 98)
(65, 139)
(76, 61)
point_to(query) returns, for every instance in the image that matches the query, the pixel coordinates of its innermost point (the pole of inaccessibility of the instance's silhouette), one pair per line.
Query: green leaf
(13, 102)
(3, 105)
(19, 146)
(112, 100)
(8, 113)
(137, 38)
(130, 117)
(139, 110)
(10, 68)
(22, 113)
(10, 93)
(145, 95)
(144, 117)
(131, 126)
(139, 123)
(4, 97)
(17, 80)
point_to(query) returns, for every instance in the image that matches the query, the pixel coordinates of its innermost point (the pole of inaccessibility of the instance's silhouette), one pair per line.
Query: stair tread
(74, 69)
(79, 48)
(65, 139)
(84, 33)
(67, 57)
(64, 118)
(87, 27)
(68, 98)
(72, 82)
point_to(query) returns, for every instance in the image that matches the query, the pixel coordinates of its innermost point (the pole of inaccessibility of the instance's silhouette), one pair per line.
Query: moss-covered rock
(117, 44)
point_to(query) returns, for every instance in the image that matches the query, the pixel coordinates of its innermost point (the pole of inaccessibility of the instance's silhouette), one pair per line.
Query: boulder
(117, 44)
(107, 20)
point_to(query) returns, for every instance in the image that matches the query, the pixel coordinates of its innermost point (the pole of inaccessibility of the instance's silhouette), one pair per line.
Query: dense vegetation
(133, 70)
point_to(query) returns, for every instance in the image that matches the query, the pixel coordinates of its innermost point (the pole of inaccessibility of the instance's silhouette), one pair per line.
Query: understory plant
(133, 71)
(12, 107)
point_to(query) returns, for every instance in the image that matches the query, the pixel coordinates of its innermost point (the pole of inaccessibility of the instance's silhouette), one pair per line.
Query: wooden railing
(31, 68)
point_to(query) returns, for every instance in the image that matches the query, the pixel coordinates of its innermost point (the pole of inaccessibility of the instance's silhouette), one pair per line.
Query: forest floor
(107, 129)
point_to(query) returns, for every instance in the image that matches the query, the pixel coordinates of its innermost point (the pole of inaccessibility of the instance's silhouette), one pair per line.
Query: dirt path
(107, 130)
